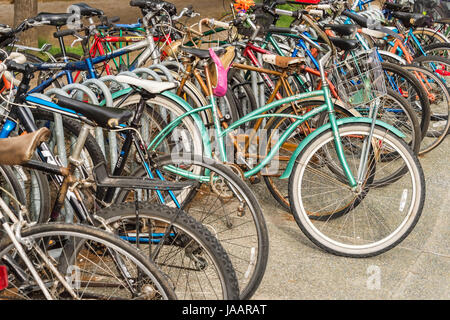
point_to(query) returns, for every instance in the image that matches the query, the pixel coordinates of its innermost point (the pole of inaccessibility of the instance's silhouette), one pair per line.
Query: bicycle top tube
(85, 65)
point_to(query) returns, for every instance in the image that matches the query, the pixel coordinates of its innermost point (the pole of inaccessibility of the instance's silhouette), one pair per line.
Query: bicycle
(77, 189)
(67, 261)
(343, 174)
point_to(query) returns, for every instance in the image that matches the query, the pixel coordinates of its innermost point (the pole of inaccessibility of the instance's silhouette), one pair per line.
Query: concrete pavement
(418, 268)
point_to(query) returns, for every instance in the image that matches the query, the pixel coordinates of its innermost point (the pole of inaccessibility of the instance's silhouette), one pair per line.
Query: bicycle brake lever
(78, 39)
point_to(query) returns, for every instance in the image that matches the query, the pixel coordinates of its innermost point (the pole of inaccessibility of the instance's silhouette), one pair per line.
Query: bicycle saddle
(345, 44)
(103, 116)
(20, 149)
(201, 53)
(53, 19)
(148, 85)
(360, 20)
(283, 62)
(395, 6)
(342, 29)
(88, 11)
(412, 19)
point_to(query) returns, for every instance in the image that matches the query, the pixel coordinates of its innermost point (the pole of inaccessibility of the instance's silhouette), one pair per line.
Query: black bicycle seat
(341, 29)
(343, 44)
(53, 19)
(103, 116)
(202, 53)
(396, 6)
(412, 19)
(88, 11)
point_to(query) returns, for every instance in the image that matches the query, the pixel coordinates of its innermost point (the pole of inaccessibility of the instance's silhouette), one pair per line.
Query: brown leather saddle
(20, 149)
(290, 64)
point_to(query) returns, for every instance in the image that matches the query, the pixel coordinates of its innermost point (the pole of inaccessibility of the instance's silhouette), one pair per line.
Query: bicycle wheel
(181, 247)
(409, 87)
(439, 105)
(225, 205)
(377, 219)
(437, 49)
(61, 81)
(159, 112)
(243, 93)
(95, 263)
(278, 187)
(10, 183)
(427, 36)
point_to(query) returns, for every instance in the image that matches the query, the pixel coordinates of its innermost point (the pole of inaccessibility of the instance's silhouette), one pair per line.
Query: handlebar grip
(362, 21)
(257, 5)
(20, 68)
(220, 24)
(138, 3)
(64, 33)
(113, 20)
(317, 13)
(274, 29)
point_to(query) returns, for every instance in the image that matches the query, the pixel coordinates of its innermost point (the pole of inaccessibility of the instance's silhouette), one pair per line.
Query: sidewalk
(418, 268)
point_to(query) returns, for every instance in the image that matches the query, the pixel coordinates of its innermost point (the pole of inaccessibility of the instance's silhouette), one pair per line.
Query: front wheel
(378, 218)
(181, 247)
(95, 264)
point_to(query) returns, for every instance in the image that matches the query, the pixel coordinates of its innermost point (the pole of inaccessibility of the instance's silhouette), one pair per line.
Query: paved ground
(418, 269)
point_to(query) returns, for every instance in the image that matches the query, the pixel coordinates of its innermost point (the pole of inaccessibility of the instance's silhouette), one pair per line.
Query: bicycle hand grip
(20, 68)
(274, 29)
(113, 20)
(138, 3)
(362, 21)
(317, 13)
(64, 33)
(219, 24)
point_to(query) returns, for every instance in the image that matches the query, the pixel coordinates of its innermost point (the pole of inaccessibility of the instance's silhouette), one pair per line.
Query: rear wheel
(182, 248)
(96, 265)
(224, 204)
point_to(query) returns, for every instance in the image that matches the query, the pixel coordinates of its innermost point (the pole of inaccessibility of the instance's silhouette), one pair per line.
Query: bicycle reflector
(3, 277)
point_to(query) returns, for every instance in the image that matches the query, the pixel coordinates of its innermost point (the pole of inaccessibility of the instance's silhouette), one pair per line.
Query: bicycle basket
(359, 79)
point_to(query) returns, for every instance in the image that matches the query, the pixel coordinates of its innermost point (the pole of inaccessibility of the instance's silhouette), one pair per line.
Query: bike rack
(109, 102)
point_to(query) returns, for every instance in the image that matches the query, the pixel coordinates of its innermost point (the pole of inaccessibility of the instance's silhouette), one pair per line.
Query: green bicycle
(331, 171)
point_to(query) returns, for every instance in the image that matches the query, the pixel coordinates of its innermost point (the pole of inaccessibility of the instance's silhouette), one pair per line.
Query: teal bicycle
(331, 171)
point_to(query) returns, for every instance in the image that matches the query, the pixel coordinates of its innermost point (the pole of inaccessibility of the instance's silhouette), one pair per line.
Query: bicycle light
(3, 277)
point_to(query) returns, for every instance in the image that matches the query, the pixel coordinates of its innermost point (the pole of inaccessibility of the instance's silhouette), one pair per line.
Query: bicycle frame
(262, 113)
(88, 63)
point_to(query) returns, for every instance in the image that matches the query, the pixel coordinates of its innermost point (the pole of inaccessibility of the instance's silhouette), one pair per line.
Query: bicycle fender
(327, 126)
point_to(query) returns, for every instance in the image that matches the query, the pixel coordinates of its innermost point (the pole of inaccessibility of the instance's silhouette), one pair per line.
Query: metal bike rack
(109, 102)
(148, 73)
(60, 143)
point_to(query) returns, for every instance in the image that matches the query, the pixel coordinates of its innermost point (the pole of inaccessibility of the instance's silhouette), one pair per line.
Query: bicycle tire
(243, 234)
(356, 243)
(191, 236)
(73, 240)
